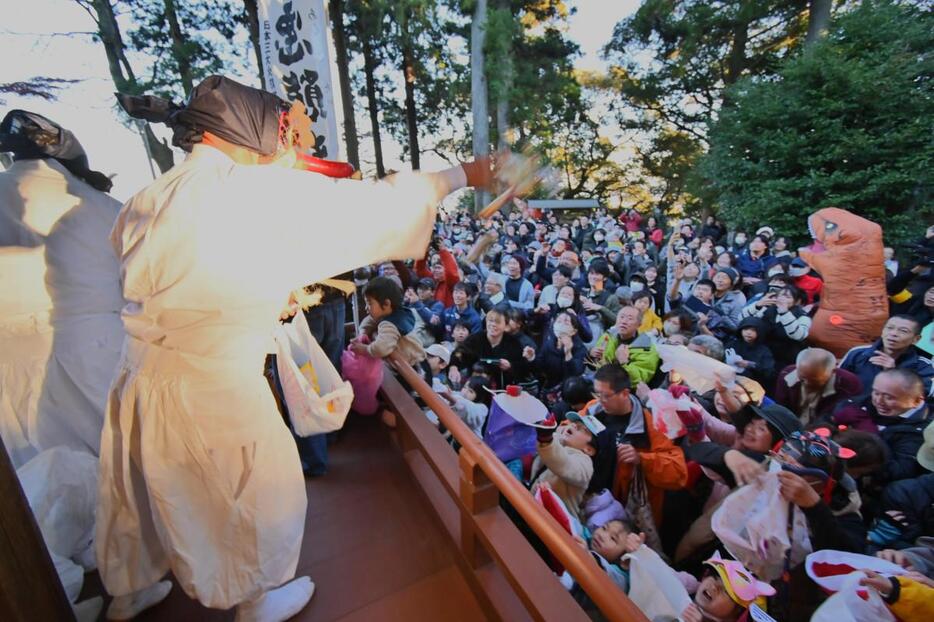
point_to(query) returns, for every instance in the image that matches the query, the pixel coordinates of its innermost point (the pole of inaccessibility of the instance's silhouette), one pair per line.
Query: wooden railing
(507, 575)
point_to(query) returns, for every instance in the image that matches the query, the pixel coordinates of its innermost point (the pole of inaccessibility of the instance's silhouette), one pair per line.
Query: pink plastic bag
(365, 374)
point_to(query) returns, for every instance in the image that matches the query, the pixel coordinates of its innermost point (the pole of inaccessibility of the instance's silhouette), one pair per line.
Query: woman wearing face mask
(677, 322)
(739, 243)
(567, 299)
(562, 352)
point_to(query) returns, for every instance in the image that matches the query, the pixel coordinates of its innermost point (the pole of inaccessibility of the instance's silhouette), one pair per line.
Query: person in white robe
(60, 328)
(199, 474)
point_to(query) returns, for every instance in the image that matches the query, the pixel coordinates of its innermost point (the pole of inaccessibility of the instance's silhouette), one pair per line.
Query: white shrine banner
(294, 44)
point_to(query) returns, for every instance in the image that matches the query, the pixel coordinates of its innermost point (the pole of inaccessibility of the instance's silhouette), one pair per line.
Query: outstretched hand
(479, 172)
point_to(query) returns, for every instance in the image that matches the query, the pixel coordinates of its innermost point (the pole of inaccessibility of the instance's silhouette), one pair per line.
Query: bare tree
(102, 12)
(343, 73)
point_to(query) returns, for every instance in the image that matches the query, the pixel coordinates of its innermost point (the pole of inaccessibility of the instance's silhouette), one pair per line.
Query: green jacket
(643, 358)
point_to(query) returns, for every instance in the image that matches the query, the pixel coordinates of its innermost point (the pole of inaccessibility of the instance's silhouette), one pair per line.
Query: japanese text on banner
(293, 36)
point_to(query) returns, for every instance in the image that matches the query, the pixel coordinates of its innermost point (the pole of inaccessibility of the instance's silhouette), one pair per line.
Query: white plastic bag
(752, 523)
(654, 586)
(697, 370)
(317, 398)
(848, 605)
(61, 487)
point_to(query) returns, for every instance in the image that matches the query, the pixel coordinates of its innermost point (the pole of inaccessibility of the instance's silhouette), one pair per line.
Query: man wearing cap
(565, 459)
(814, 478)
(814, 387)
(758, 430)
(198, 473)
(60, 332)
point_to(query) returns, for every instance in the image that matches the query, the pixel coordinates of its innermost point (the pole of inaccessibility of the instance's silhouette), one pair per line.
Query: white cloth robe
(198, 471)
(60, 329)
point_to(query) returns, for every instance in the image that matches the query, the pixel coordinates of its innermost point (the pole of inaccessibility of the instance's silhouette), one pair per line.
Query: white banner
(294, 46)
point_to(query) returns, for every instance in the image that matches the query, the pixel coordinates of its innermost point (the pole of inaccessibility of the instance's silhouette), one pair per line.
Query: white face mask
(497, 298)
(740, 240)
(672, 327)
(636, 286)
(562, 330)
(564, 302)
(598, 238)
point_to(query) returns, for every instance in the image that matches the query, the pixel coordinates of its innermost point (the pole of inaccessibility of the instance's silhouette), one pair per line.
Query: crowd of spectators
(574, 310)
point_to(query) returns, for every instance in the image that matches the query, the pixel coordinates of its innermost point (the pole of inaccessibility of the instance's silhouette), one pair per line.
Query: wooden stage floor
(372, 545)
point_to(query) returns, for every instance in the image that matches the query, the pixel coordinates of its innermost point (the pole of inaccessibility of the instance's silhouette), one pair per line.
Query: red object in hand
(329, 168)
(679, 390)
(513, 390)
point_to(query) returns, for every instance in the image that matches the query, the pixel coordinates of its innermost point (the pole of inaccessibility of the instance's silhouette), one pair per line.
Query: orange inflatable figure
(847, 252)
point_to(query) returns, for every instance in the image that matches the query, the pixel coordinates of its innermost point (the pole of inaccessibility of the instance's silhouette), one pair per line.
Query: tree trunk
(736, 62)
(818, 20)
(411, 119)
(343, 73)
(478, 94)
(502, 100)
(252, 20)
(178, 47)
(122, 74)
(369, 67)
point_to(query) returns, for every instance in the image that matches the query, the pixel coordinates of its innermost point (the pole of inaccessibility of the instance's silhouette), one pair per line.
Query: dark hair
(479, 384)
(461, 286)
(913, 320)
(461, 322)
(706, 282)
(383, 289)
(728, 254)
(615, 376)
(795, 293)
(576, 390)
(501, 310)
(640, 295)
(479, 369)
(684, 319)
(575, 323)
(638, 277)
(513, 314)
(599, 267)
(870, 449)
(566, 271)
(626, 523)
(426, 283)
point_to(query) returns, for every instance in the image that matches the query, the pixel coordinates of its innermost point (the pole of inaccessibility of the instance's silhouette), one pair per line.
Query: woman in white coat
(198, 472)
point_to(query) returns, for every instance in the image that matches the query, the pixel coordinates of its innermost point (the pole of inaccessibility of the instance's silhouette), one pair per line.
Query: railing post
(478, 494)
